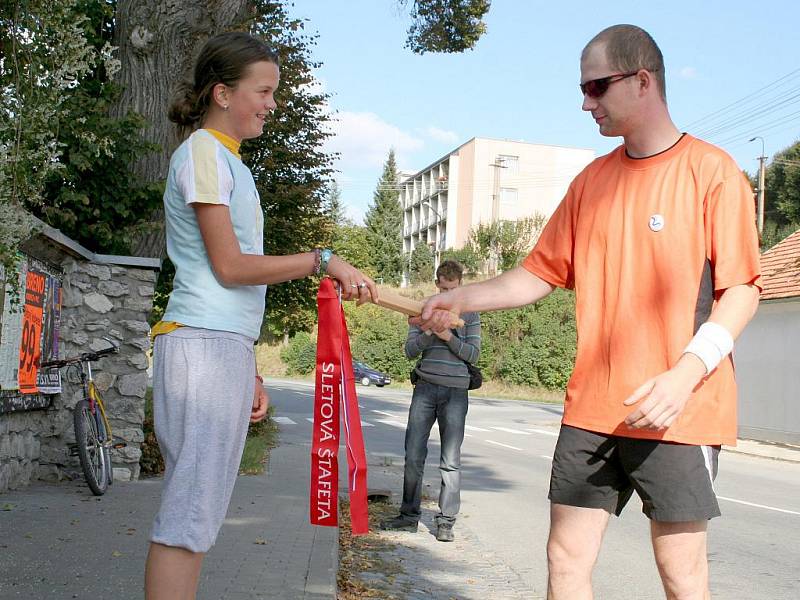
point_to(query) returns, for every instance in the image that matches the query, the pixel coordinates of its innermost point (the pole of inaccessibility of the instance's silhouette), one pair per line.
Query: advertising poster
(30, 344)
(49, 380)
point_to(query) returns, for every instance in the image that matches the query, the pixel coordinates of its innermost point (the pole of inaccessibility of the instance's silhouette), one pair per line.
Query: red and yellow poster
(30, 346)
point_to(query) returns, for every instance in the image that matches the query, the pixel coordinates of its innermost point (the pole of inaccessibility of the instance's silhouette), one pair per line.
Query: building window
(508, 203)
(510, 163)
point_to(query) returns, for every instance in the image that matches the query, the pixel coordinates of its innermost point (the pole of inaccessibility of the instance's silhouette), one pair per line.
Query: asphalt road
(753, 548)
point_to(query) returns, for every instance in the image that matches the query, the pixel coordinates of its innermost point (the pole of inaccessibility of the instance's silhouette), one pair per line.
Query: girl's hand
(260, 402)
(353, 284)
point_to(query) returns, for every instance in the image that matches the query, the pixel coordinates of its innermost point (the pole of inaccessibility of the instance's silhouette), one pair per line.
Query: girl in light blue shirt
(205, 385)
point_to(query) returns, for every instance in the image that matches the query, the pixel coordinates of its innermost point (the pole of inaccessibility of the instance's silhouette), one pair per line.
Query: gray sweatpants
(203, 386)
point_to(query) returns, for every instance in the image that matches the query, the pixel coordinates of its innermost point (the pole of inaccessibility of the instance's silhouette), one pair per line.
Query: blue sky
(520, 82)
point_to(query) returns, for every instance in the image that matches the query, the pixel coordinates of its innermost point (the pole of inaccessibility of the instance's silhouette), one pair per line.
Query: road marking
(509, 430)
(473, 428)
(543, 432)
(363, 423)
(392, 423)
(783, 510)
(546, 456)
(504, 445)
(284, 420)
(467, 435)
(380, 412)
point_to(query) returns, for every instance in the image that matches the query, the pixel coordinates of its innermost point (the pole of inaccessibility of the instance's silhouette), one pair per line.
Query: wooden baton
(407, 306)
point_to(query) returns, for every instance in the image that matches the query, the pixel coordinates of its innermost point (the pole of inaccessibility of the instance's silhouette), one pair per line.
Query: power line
(764, 128)
(742, 100)
(738, 120)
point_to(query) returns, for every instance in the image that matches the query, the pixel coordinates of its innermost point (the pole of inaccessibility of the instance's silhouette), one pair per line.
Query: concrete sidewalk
(771, 450)
(59, 541)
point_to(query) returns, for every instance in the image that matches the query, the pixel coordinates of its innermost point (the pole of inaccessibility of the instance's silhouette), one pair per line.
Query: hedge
(533, 345)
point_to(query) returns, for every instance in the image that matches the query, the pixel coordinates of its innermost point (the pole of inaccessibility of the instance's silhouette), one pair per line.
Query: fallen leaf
(260, 542)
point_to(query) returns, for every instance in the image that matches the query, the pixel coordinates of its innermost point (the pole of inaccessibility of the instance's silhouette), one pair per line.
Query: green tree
(44, 53)
(782, 198)
(420, 265)
(782, 184)
(467, 256)
(504, 243)
(334, 209)
(352, 244)
(774, 233)
(384, 221)
(445, 25)
(95, 197)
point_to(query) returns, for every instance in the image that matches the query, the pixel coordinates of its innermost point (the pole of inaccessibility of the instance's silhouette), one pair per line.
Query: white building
(482, 181)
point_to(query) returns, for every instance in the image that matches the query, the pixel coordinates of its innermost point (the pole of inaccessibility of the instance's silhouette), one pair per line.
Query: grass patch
(508, 391)
(365, 554)
(268, 360)
(260, 438)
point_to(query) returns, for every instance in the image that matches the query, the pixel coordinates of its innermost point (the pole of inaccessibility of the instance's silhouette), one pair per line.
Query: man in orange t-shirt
(658, 241)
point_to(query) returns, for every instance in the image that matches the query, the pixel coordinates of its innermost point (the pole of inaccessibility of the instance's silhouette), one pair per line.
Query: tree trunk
(158, 42)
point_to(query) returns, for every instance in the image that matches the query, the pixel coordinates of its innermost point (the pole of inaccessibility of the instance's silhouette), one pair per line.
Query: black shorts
(674, 481)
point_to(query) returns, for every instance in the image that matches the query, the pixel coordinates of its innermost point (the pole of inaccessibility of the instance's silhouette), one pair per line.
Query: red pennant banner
(335, 392)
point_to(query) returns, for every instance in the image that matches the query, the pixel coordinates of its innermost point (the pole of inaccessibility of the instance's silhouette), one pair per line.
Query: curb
(769, 451)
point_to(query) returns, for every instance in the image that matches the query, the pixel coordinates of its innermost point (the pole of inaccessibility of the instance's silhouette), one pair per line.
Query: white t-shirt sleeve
(205, 176)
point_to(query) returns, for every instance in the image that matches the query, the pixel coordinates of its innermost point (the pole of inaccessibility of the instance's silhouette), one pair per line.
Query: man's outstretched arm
(514, 288)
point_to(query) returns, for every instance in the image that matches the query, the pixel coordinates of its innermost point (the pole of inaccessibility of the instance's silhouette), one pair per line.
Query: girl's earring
(225, 107)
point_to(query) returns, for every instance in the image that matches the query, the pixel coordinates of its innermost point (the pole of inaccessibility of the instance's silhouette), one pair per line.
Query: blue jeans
(448, 406)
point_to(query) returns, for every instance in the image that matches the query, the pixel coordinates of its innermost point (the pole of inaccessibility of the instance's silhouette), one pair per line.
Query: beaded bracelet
(317, 261)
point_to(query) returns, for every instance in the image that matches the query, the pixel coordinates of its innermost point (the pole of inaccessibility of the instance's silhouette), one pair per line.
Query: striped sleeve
(468, 346)
(417, 341)
(205, 176)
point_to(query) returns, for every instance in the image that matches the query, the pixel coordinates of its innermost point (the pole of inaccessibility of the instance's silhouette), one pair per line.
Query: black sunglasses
(597, 87)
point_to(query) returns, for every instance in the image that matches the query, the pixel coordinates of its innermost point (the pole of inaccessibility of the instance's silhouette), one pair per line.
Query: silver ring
(353, 285)
(362, 285)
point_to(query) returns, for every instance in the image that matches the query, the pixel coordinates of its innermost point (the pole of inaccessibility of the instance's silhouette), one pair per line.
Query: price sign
(30, 345)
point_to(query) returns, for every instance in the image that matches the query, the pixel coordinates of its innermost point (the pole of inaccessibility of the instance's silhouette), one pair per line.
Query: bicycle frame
(95, 400)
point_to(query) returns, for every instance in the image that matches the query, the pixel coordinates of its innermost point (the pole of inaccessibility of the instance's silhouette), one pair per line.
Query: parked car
(366, 375)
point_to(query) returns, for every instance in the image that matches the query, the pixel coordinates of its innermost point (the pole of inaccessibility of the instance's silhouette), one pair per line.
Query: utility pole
(762, 168)
(497, 165)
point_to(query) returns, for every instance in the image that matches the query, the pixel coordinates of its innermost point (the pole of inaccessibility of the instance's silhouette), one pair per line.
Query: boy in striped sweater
(440, 394)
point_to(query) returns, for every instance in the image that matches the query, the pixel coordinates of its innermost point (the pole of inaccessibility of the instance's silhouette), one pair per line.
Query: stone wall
(103, 296)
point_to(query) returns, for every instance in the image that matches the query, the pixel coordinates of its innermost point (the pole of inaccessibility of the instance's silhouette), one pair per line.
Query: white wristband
(711, 344)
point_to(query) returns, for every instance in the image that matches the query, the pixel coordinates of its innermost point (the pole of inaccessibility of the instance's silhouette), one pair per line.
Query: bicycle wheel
(102, 434)
(90, 449)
